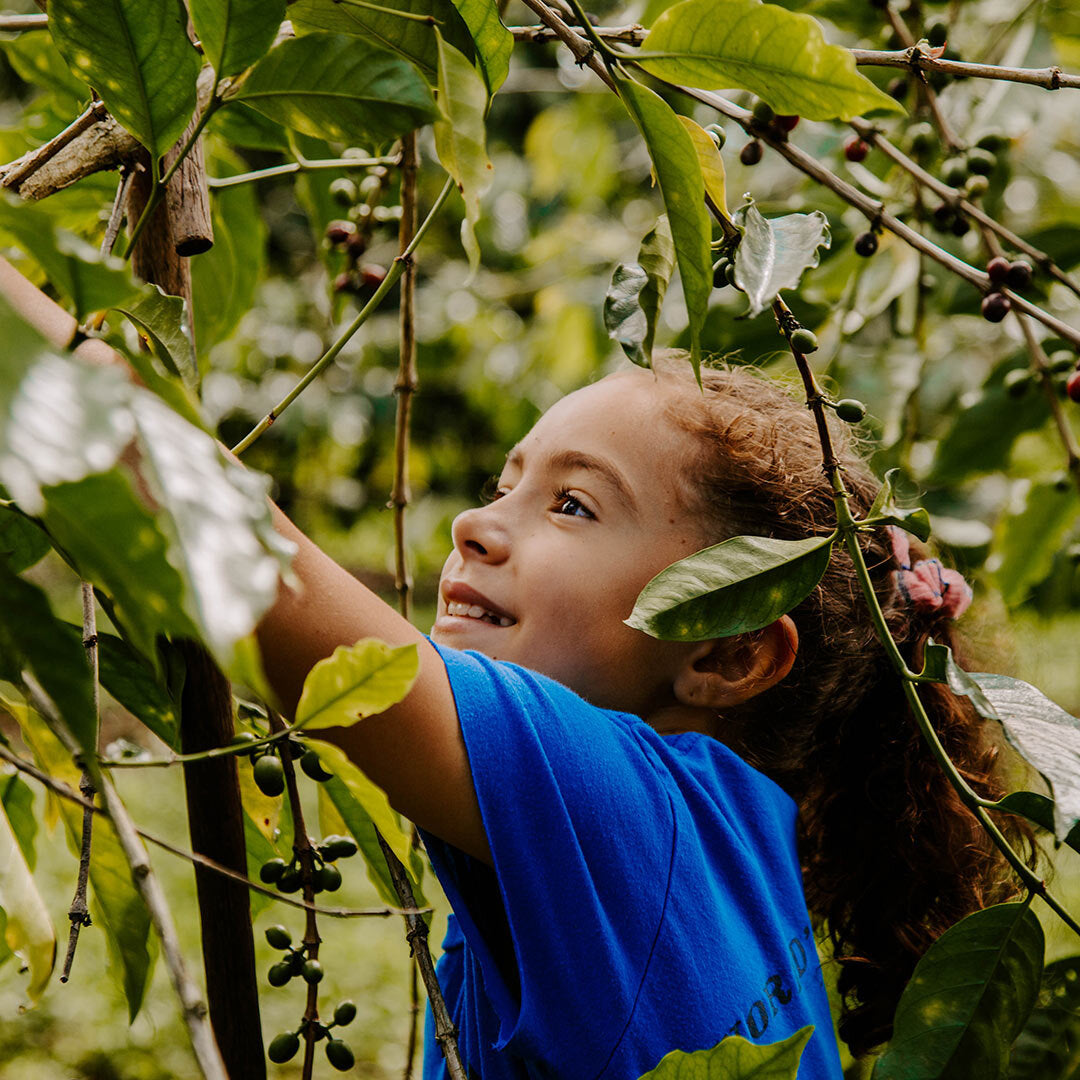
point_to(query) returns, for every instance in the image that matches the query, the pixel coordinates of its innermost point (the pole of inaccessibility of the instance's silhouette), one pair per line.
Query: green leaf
(261, 848)
(774, 252)
(367, 795)
(939, 666)
(636, 294)
(712, 165)
(18, 802)
(356, 681)
(736, 1058)
(779, 55)
(136, 55)
(28, 930)
(37, 61)
(22, 542)
(1044, 734)
(31, 638)
(77, 270)
(236, 33)
(1029, 535)
(412, 38)
(162, 320)
(915, 520)
(678, 173)
(1048, 1045)
(460, 138)
(336, 87)
(1038, 809)
(734, 587)
(969, 997)
(493, 42)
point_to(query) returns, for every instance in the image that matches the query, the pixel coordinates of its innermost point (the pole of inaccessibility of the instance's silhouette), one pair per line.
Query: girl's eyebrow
(578, 459)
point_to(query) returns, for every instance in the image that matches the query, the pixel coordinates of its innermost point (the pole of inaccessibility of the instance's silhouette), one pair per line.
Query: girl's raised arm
(414, 750)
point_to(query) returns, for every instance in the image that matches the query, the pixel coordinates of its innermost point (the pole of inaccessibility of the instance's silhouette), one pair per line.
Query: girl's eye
(490, 491)
(569, 505)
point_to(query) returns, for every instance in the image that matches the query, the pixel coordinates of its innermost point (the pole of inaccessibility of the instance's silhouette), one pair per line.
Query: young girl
(625, 827)
(639, 837)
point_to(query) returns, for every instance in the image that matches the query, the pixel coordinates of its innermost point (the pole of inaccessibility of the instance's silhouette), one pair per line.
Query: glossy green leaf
(77, 270)
(356, 681)
(636, 294)
(1038, 809)
(915, 520)
(736, 1058)
(1047, 1048)
(22, 542)
(460, 138)
(341, 812)
(712, 164)
(940, 666)
(28, 930)
(411, 38)
(32, 639)
(18, 802)
(236, 33)
(779, 55)
(368, 796)
(678, 173)
(137, 56)
(969, 997)
(116, 905)
(493, 42)
(775, 252)
(162, 320)
(1029, 535)
(336, 87)
(734, 587)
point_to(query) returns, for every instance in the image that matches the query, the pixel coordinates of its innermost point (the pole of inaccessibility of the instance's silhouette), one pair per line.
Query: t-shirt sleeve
(580, 822)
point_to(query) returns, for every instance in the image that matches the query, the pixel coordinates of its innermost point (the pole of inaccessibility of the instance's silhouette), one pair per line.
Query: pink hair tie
(928, 586)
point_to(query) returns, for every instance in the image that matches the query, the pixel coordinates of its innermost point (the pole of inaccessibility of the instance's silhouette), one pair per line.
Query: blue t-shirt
(646, 895)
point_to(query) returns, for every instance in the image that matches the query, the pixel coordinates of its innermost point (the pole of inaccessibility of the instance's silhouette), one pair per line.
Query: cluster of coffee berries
(1061, 367)
(266, 769)
(283, 1047)
(723, 271)
(1002, 273)
(288, 876)
(352, 235)
(778, 125)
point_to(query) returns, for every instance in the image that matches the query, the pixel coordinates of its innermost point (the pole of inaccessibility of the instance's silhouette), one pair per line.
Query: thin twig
(94, 112)
(291, 167)
(63, 791)
(584, 52)
(10, 24)
(627, 35)
(914, 58)
(116, 214)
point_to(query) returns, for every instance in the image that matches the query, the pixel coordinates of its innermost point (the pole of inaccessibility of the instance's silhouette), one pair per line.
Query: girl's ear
(729, 671)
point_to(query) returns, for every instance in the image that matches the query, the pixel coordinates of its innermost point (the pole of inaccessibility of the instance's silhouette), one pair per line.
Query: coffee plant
(227, 192)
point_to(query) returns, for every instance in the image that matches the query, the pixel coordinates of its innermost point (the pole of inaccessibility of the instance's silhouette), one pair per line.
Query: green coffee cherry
(290, 880)
(717, 134)
(312, 971)
(1061, 361)
(345, 1013)
(343, 191)
(994, 141)
(269, 775)
(981, 162)
(328, 879)
(719, 273)
(976, 185)
(339, 1055)
(763, 113)
(849, 410)
(278, 937)
(955, 171)
(313, 767)
(271, 870)
(803, 340)
(922, 138)
(280, 973)
(242, 738)
(1016, 382)
(283, 1048)
(337, 847)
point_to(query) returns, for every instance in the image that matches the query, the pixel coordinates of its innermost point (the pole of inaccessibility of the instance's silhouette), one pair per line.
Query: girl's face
(587, 511)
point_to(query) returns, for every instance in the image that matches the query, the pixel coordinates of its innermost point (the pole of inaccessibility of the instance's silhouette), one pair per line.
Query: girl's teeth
(475, 611)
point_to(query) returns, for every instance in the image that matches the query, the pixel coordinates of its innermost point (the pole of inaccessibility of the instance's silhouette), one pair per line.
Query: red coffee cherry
(998, 270)
(855, 149)
(338, 232)
(786, 123)
(751, 153)
(1072, 387)
(995, 307)
(1019, 275)
(372, 275)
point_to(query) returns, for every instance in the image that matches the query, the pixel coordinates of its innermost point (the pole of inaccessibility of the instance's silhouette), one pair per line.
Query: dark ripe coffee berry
(717, 134)
(866, 244)
(719, 273)
(1016, 382)
(943, 216)
(993, 141)
(356, 244)
(313, 767)
(897, 88)
(339, 1055)
(278, 937)
(997, 270)
(344, 282)
(372, 275)
(1019, 275)
(290, 880)
(786, 123)
(269, 775)
(954, 171)
(751, 153)
(763, 113)
(283, 1048)
(980, 161)
(312, 971)
(803, 340)
(271, 871)
(280, 973)
(1072, 387)
(995, 307)
(345, 1013)
(855, 149)
(937, 32)
(328, 878)
(922, 138)
(337, 232)
(960, 226)
(850, 411)
(1061, 360)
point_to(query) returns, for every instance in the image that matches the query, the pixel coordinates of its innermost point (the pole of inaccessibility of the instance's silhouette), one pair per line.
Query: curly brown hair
(890, 856)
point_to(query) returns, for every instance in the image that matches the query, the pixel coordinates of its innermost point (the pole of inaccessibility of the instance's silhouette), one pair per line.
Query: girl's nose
(477, 532)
